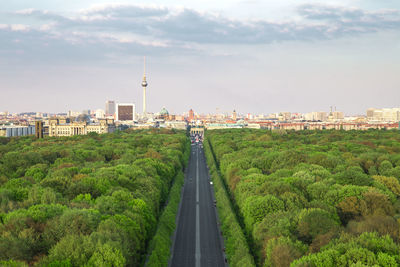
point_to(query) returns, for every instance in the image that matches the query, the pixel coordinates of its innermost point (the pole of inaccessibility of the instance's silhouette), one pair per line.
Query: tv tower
(144, 85)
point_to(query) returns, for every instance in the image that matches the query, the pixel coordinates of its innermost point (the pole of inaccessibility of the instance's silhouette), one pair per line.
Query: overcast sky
(250, 55)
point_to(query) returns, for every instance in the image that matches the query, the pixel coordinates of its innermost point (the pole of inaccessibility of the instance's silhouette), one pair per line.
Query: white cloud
(19, 27)
(28, 11)
(187, 25)
(134, 28)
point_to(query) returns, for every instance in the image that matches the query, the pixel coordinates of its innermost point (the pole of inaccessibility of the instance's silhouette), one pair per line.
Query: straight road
(197, 241)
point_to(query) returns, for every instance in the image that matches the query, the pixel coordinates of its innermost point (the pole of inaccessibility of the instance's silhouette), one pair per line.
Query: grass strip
(237, 249)
(160, 245)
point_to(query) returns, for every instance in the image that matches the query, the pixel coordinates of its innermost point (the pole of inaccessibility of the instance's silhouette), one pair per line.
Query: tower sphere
(144, 84)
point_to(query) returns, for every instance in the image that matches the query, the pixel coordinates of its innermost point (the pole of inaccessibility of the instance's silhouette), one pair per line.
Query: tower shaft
(144, 85)
(144, 100)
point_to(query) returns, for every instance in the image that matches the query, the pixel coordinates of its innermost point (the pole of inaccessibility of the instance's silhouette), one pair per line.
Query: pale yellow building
(81, 126)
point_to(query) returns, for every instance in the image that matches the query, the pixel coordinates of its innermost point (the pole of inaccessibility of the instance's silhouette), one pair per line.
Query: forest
(313, 198)
(90, 200)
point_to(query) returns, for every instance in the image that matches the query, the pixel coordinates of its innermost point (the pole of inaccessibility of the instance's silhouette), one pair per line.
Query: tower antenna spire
(144, 68)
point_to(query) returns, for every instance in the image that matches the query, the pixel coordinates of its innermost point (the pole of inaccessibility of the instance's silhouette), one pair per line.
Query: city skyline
(255, 57)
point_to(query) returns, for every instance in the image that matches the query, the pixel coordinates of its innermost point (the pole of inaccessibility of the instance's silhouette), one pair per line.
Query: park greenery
(312, 198)
(89, 200)
(161, 244)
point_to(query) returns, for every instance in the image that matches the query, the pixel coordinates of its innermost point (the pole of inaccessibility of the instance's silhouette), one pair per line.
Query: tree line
(236, 247)
(314, 198)
(85, 200)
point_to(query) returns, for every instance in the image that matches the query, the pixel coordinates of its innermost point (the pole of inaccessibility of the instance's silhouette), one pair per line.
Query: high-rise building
(234, 115)
(144, 85)
(125, 112)
(110, 108)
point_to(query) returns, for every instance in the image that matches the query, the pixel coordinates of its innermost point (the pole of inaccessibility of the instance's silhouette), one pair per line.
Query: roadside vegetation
(160, 245)
(86, 200)
(237, 249)
(314, 198)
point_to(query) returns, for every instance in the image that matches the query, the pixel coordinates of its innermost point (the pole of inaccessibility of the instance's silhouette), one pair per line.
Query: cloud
(324, 12)
(187, 25)
(125, 11)
(135, 28)
(14, 27)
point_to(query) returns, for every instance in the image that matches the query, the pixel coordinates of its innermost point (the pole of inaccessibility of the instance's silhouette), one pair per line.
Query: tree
(366, 250)
(256, 207)
(390, 182)
(106, 255)
(353, 175)
(75, 248)
(314, 222)
(383, 225)
(282, 251)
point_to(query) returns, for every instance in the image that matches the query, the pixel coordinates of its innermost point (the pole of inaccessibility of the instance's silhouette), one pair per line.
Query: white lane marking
(197, 178)
(198, 253)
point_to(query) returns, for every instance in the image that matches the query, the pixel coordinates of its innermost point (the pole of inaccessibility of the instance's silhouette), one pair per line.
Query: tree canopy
(314, 198)
(85, 200)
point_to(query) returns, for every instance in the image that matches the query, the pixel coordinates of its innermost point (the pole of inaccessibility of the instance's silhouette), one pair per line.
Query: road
(197, 241)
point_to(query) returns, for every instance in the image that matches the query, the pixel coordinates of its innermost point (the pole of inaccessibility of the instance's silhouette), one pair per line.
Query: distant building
(179, 117)
(337, 115)
(39, 132)
(74, 113)
(164, 114)
(253, 126)
(285, 116)
(214, 126)
(81, 126)
(385, 114)
(234, 115)
(191, 115)
(100, 114)
(316, 116)
(11, 131)
(110, 108)
(370, 113)
(125, 112)
(182, 125)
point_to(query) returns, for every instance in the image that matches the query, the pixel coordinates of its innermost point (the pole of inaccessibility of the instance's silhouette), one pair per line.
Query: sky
(254, 56)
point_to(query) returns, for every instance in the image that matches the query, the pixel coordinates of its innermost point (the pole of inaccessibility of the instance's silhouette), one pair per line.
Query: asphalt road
(197, 241)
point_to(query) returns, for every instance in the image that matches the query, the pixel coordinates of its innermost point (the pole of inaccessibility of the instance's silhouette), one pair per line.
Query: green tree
(256, 207)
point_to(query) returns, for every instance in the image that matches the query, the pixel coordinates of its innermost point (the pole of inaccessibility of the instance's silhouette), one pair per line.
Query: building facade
(80, 127)
(125, 112)
(110, 108)
(11, 131)
(384, 114)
